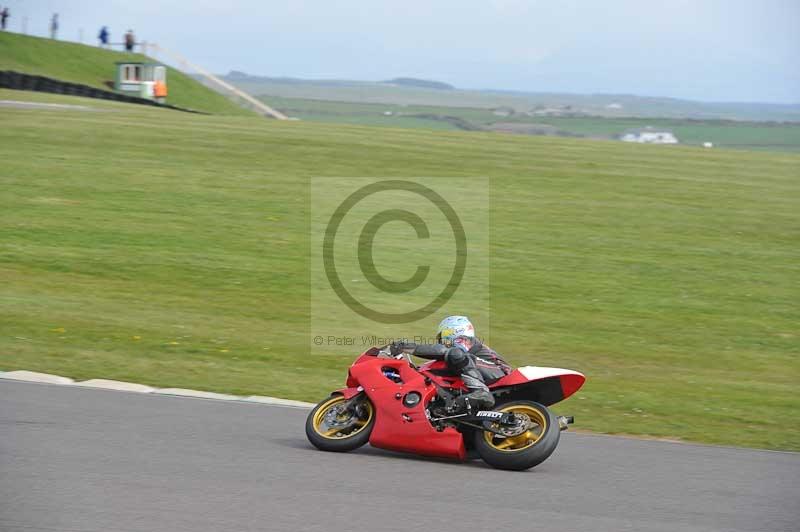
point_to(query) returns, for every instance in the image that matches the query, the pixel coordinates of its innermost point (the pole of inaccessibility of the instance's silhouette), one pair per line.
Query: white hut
(649, 135)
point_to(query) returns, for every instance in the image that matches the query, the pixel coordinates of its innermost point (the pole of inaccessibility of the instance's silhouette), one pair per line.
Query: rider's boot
(479, 396)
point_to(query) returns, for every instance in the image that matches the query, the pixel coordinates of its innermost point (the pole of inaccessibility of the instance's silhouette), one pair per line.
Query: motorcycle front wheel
(339, 425)
(529, 443)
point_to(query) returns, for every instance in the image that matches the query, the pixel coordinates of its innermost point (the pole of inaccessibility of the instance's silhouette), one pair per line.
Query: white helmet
(453, 327)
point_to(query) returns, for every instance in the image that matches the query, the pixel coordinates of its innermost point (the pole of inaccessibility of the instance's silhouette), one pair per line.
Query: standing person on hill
(130, 40)
(4, 14)
(103, 36)
(54, 26)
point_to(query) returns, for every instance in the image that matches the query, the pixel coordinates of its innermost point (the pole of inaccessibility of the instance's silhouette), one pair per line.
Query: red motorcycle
(394, 404)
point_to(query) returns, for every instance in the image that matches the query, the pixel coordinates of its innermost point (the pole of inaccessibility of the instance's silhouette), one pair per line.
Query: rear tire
(526, 449)
(331, 428)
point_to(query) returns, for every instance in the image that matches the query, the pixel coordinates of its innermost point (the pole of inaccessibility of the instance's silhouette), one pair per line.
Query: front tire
(339, 426)
(526, 446)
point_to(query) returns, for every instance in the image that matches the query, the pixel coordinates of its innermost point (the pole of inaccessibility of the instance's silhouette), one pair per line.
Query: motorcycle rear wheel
(332, 427)
(525, 449)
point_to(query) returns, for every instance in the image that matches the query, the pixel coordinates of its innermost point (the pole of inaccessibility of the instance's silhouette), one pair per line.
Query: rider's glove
(398, 347)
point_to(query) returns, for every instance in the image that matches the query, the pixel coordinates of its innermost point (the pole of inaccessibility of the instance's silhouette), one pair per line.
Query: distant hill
(89, 65)
(242, 77)
(237, 76)
(419, 83)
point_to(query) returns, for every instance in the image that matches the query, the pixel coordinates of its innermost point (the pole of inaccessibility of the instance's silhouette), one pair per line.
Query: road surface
(75, 459)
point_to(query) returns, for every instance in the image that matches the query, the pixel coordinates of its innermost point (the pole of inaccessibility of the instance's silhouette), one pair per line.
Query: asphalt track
(75, 459)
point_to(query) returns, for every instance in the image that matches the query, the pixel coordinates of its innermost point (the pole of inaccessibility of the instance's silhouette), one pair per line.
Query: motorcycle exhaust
(565, 421)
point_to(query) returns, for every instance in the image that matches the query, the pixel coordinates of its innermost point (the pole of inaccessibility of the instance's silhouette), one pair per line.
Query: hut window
(132, 73)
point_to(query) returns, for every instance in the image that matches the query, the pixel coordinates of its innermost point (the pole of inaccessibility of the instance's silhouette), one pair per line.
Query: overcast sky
(714, 50)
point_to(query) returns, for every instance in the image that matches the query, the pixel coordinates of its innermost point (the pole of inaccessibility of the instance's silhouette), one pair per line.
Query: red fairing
(570, 381)
(437, 371)
(348, 393)
(401, 428)
(367, 356)
(407, 428)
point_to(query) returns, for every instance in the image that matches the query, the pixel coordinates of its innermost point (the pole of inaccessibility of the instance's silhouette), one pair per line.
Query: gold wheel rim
(536, 428)
(348, 425)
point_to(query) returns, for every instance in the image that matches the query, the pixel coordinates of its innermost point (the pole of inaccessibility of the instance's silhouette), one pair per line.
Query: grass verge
(171, 249)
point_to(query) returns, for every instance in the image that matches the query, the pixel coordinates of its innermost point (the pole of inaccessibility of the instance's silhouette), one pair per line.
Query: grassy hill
(93, 66)
(177, 254)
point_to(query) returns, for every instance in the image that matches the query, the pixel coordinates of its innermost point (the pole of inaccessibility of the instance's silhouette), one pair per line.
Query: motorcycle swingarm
(503, 418)
(563, 424)
(481, 423)
(484, 427)
(468, 421)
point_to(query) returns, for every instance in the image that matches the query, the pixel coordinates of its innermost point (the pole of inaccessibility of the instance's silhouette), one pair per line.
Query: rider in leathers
(466, 356)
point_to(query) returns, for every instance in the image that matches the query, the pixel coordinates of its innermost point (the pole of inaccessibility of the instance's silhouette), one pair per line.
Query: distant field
(173, 249)
(372, 114)
(725, 134)
(90, 65)
(610, 105)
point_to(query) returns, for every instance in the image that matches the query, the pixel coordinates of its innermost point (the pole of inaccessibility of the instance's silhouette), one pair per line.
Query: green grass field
(89, 65)
(172, 249)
